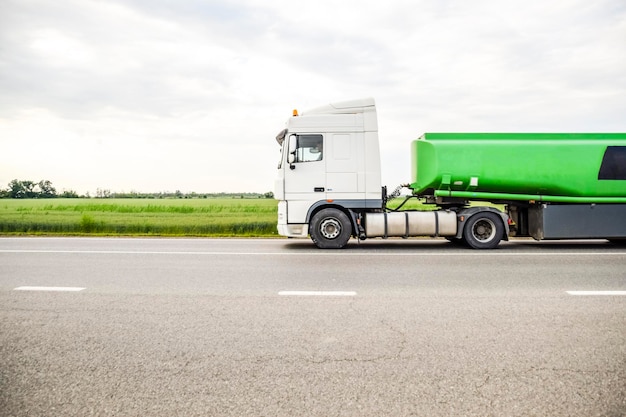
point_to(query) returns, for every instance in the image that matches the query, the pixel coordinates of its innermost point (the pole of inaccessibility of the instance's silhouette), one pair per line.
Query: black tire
(330, 229)
(484, 230)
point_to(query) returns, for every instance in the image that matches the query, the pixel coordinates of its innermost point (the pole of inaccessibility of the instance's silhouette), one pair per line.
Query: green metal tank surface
(549, 167)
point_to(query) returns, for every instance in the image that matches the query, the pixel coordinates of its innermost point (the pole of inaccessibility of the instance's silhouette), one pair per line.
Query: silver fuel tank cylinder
(411, 223)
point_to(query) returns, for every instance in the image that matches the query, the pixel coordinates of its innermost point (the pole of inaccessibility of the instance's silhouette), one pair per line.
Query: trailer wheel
(483, 230)
(330, 229)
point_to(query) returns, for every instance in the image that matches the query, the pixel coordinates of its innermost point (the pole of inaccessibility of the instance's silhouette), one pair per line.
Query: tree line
(45, 189)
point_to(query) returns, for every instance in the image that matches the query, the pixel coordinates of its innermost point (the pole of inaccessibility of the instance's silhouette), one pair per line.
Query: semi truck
(476, 189)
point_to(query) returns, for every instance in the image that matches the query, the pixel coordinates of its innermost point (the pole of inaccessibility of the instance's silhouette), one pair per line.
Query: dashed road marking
(596, 292)
(318, 293)
(52, 289)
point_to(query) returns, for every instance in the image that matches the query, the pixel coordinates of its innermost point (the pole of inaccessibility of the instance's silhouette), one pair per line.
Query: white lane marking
(596, 292)
(362, 252)
(54, 289)
(318, 293)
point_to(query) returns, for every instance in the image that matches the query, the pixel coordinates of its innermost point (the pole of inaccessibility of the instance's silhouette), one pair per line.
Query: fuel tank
(411, 223)
(574, 166)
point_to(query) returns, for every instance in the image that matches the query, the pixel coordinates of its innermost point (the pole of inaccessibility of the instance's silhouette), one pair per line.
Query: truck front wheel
(330, 229)
(483, 230)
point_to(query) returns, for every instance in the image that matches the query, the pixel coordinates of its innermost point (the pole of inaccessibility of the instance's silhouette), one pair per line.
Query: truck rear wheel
(483, 230)
(330, 229)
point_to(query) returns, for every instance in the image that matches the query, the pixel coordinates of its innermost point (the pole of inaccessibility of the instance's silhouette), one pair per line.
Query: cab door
(305, 171)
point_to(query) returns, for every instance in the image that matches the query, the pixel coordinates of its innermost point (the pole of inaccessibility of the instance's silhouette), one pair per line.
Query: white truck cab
(330, 160)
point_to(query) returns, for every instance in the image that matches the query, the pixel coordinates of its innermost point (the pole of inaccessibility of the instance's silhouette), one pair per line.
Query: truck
(476, 189)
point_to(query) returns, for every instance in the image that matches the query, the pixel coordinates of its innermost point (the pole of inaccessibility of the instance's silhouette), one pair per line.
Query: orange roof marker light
(295, 113)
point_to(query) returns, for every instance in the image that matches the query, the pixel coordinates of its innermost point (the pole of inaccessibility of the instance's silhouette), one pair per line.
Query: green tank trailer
(540, 167)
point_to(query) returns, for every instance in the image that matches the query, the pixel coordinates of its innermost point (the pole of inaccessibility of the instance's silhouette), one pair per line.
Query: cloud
(192, 93)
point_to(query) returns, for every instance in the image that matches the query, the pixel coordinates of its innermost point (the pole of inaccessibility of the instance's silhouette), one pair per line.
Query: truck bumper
(293, 230)
(290, 229)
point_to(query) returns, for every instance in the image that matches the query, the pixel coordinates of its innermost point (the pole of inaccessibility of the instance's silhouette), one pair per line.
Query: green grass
(145, 217)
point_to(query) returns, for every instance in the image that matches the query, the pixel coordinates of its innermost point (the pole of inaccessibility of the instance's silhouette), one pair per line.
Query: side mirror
(293, 144)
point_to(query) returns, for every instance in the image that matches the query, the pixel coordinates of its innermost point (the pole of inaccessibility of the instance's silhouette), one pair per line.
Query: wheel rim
(330, 228)
(484, 230)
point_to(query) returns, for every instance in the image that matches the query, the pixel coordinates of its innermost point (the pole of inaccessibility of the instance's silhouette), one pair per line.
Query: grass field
(146, 217)
(212, 217)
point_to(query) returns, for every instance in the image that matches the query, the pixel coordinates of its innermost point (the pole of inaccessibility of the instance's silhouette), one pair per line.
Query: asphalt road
(221, 327)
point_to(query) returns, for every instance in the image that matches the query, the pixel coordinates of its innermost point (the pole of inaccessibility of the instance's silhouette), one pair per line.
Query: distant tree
(69, 194)
(100, 193)
(30, 189)
(46, 190)
(21, 189)
(16, 189)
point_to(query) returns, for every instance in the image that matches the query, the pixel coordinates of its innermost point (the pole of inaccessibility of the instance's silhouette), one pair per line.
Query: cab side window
(309, 148)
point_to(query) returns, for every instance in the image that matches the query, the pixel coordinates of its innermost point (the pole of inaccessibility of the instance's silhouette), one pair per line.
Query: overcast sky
(165, 95)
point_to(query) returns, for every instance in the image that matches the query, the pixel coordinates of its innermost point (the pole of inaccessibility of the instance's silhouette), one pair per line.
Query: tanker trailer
(554, 186)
